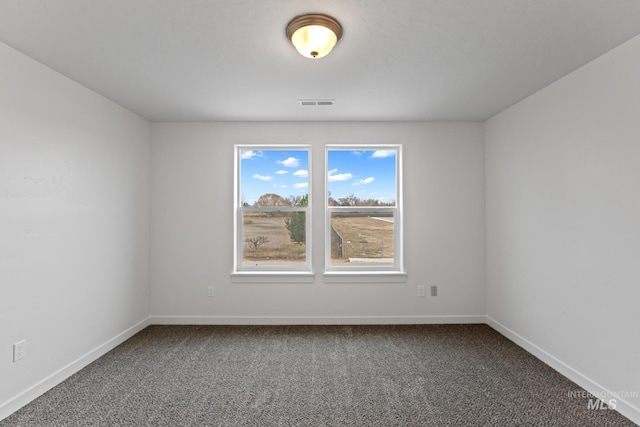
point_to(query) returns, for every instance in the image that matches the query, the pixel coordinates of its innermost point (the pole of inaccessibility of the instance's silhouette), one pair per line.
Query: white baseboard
(312, 320)
(12, 405)
(622, 406)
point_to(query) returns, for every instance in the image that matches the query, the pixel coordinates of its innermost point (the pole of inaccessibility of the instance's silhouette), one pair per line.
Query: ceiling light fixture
(314, 35)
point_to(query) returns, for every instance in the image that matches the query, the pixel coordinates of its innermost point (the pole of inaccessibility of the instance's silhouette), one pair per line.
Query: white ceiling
(193, 60)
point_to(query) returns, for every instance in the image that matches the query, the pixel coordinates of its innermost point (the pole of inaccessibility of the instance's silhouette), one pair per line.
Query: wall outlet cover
(19, 350)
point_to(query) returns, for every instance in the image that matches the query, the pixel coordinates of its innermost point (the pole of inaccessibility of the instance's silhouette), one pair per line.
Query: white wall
(74, 177)
(192, 233)
(563, 223)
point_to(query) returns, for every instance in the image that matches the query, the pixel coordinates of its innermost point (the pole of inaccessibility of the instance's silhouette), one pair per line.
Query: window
(363, 209)
(273, 201)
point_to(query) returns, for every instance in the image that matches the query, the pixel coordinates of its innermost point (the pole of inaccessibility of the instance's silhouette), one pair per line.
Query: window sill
(272, 277)
(364, 277)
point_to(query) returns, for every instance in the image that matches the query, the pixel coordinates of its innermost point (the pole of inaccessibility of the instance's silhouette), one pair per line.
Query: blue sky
(369, 174)
(283, 172)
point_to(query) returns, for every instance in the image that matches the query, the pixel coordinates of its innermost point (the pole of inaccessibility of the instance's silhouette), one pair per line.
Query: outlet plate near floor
(19, 350)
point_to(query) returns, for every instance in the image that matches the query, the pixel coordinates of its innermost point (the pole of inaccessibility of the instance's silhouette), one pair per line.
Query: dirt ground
(363, 237)
(279, 247)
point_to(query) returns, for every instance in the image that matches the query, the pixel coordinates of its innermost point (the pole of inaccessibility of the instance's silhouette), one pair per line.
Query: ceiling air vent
(316, 102)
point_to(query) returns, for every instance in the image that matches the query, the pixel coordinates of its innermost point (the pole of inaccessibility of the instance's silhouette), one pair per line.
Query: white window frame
(369, 273)
(266, 273)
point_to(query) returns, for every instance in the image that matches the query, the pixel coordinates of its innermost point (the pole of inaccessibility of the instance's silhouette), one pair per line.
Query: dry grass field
(279, 249)
(363, 237)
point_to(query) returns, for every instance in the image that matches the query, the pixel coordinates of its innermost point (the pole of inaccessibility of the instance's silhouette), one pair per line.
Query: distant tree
(369, 202)
(330, 200)
(350, 200)
(296, 225)
(353, 200)
(256, 242)
(294, 200)
(271, 199)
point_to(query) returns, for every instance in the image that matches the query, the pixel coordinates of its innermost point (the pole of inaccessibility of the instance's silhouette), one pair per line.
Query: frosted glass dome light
(314, 35)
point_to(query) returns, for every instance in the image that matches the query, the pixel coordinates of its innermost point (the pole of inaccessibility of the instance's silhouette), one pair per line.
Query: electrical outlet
(434, 291)
(19, 350)
(211, 291)
(421, 291)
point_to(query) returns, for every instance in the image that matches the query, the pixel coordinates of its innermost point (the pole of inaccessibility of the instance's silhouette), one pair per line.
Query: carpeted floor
(407, 375)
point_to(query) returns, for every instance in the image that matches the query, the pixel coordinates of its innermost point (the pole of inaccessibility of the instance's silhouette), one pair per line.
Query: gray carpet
(422, 375)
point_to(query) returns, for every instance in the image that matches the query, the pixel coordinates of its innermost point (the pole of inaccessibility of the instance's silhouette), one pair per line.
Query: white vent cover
(316, 102)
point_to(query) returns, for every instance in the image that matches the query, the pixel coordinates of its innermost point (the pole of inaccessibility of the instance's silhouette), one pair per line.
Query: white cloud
(283, 186)
(291, 162)
(381, 154)
(301, 185)
(249, 154)
(281, 172)
(339, 177)
(364, 181)
(263, 177)
(301, 173)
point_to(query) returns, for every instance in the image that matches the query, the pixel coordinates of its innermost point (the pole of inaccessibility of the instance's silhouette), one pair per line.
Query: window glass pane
(273, 177)
(361, 177)
(273, 238)
(362, 239)
(272, 203)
